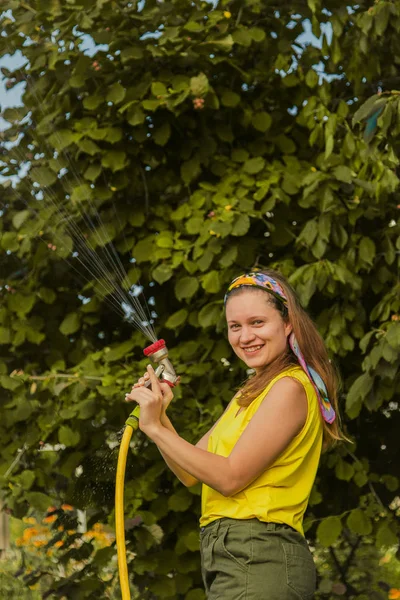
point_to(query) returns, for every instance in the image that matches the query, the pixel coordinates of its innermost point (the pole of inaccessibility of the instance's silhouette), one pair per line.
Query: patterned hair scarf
(268, 284)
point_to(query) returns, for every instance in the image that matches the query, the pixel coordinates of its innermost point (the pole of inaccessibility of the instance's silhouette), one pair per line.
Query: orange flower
(39, 543)
(30, 520)
(198, 103)
(67, 507)
(59, 544)
(394, 594)
(50, 519)
(30, 532)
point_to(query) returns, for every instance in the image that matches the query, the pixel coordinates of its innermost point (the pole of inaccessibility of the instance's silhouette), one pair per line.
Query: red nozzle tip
(154, 347)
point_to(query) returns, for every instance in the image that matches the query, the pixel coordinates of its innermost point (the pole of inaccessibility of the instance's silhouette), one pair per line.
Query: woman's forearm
(183, 476)
(211, 469)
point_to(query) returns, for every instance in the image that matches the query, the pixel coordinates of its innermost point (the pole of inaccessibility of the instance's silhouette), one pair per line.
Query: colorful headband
(268, 284)
(261, 281)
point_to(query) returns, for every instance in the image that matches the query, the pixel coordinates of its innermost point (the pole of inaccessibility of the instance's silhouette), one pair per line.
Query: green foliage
(208, 143)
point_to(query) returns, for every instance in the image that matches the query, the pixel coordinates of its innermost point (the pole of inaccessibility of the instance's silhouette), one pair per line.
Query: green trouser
(251, 560)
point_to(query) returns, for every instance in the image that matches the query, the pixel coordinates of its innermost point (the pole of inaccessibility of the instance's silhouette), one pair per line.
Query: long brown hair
(312, 347)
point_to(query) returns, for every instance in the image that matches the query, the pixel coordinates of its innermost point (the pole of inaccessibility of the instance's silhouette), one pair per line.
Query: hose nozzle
(158, 353)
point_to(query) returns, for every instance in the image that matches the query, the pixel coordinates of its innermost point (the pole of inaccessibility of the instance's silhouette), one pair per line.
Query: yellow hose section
(132, 424)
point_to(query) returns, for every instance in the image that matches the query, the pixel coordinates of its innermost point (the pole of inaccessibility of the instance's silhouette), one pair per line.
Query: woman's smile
(252, 349)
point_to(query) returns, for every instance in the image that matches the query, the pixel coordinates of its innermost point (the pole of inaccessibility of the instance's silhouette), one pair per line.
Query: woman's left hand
(150, 402)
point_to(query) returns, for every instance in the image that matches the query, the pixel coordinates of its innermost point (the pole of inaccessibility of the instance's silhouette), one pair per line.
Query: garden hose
(158, 353)
(131, 424)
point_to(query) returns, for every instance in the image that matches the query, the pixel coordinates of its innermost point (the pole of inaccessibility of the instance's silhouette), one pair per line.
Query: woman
(258, 462)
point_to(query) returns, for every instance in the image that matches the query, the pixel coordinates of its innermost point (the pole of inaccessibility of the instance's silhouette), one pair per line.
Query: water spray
(158, 353)
(82, 222)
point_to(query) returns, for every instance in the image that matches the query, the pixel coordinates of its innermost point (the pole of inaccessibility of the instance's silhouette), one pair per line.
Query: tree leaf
(367, 250)
(241, 225)
(89, 147)
(358, 522)
(329, 146)
(190, 169)
(368, 107)
(382, 19)
(158, 89)
(70, 324)
(358, 392)
(144, 249)
(194, 27)
(27, 478)
(162, 134)
(20, 217)
(257, 34)
(119, 351)
(116, 93)
(385, 537)
(114, 159)
(343, 173)
(39, 501)
(131, 53)
(93, 102)
(162, 273)
(329, 530)
(230, 99)
(393, 335)
(43, 176)
(199, 85)
(261, 121)
(186, 287)
(210, 314)
(254, 165)
(312, 78)
(211, 282)
(191, 541)
(9, 383)
(5, 335)
(21, 303)
(177, 319)
(92, 172)
(180, 501)
(229, 257)
(68, 437)
(344, 470)
(224, 43)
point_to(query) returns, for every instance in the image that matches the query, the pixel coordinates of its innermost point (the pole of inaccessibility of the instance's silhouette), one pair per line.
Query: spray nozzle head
(153, 348)
(158, 353)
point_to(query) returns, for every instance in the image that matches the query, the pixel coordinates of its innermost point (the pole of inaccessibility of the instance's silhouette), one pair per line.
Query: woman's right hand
(166, 390)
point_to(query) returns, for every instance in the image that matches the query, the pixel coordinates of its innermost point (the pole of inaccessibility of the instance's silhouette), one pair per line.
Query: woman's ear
(288, 328)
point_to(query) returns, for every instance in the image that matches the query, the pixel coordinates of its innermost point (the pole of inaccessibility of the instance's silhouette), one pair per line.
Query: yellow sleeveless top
(280, 494)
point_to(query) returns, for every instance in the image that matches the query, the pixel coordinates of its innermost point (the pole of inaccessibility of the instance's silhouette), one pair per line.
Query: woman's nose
(246, 335)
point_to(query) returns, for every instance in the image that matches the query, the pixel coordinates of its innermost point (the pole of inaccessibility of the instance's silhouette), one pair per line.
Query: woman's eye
(257, 322)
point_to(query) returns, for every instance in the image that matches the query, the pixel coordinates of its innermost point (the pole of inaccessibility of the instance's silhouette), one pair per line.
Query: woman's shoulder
(294, 372)
(290, 376)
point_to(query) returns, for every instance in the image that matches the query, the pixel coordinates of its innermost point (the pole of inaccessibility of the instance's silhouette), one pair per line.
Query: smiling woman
(259, 460)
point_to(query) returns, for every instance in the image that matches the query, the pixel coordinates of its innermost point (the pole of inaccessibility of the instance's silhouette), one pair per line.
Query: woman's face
(256, 330)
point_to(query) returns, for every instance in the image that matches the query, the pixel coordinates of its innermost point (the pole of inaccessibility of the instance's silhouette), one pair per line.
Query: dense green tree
(208, 140)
